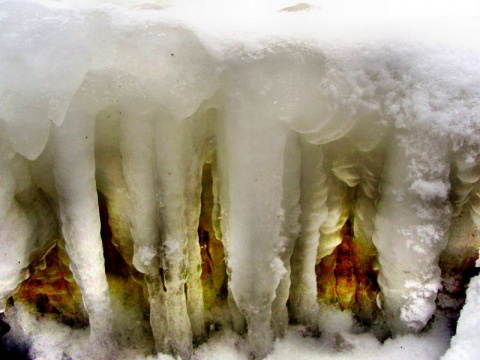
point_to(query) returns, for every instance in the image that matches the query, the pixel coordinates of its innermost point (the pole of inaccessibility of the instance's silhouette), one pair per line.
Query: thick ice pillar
(255, 215)
(162, 162)
(412, 227)
(74, 170)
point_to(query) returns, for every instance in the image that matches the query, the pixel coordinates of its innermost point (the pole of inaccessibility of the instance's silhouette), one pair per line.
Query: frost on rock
(234, 174)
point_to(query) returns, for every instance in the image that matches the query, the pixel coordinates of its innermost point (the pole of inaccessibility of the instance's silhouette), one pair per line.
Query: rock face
(236, 179)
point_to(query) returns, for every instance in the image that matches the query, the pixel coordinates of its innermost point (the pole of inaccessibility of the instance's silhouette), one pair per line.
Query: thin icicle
(138, 162)
(290, 231)
(196, 151)
(314, 212)
(220, 218)
(111, 180)
(171, 169)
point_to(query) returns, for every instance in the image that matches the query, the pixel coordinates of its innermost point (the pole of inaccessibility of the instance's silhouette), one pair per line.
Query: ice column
(74, 170)
(138, 161)
(162, 163)
(28, 226)
(171, 168)
(199, 148)
(314, 212)
(255, 214)
(291, 229)
(412, 227)
(111, 180)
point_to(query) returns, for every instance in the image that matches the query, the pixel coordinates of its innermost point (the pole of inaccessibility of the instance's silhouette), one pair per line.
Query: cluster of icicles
(103, 101)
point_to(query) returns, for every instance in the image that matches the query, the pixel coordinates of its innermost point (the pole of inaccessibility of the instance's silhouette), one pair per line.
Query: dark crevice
(115, 264)
(161, 272)
(4, 327)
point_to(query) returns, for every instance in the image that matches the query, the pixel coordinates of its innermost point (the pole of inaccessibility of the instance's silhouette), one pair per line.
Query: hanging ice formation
(317, 147)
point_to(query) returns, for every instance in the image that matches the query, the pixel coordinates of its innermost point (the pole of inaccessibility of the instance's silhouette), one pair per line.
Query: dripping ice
(294, 116)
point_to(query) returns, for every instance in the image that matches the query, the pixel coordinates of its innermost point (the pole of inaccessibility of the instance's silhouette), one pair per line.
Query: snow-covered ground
(48, 340)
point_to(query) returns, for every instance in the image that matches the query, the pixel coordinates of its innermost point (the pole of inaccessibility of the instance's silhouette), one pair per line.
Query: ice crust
(294, 110)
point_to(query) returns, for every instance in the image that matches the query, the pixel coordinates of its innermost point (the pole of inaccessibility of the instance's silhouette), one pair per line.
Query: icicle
(158, 312)
(16, 233)
(367, 195)
(303, 294)
(197, 150)
(27, 222)
(171, 170)
(74, 170)
(162, 177)
(254, 178)
(290, 231)
(412, 228)
(138, 161)
(220, 219)
(111, 182)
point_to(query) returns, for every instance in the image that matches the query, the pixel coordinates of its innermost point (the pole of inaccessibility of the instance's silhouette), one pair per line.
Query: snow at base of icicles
(47, 339)
(294, 113)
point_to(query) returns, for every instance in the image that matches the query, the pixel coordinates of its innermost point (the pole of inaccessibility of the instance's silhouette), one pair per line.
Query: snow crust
(293, 108)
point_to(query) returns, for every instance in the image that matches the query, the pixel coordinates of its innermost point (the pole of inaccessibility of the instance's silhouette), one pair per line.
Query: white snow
(464, 343)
